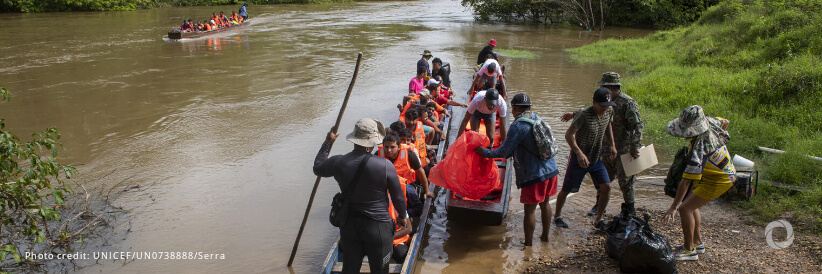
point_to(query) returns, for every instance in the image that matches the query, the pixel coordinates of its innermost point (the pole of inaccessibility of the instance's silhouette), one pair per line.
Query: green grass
(754, 62)
(515, 53)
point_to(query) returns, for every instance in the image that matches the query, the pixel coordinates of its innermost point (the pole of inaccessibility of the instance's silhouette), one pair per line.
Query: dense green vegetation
(31, 191)
(121, 5)
(755, 62)
(660, 14)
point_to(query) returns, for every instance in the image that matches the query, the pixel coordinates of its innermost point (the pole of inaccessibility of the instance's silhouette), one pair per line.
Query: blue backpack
(546, 144)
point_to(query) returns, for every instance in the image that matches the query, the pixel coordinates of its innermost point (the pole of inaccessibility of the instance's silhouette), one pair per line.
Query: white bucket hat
(367, 133)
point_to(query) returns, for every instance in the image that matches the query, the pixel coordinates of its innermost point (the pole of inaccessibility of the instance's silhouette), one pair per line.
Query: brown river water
(208, 143)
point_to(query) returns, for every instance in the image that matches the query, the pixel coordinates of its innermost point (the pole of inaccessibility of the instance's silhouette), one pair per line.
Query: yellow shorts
(710, 190)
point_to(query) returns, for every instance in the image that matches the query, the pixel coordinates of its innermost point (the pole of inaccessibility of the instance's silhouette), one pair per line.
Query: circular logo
(769, 234)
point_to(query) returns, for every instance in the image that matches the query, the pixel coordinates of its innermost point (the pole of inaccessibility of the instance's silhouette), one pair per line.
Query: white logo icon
(769, 234)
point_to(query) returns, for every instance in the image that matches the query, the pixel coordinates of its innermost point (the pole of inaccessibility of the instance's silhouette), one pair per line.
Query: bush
(31, 190)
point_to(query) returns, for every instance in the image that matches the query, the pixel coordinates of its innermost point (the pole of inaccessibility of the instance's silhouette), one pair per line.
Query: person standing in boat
(537, 178)
(488, 75)
(244, 12)
(489, 49)
(585, 136)
(423, 62)
(368, 230)
(486, 106)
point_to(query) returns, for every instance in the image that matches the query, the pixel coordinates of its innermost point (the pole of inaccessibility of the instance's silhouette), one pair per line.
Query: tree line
(593, 14)
(128, 5)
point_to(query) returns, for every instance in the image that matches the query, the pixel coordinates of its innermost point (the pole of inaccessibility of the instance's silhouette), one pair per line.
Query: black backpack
(675, 172)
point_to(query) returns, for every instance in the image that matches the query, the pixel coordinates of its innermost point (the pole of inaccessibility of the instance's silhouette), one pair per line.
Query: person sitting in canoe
(186, 26)
(437, 95)
(224, 20)
(405, 161)
(200, 26)
(236, 17)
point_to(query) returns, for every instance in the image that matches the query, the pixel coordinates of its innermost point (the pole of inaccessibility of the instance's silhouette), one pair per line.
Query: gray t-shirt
(378, 179)
(591, 131)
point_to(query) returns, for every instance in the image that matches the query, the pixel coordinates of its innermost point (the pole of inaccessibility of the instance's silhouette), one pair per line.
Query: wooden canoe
(491, 209)
(175, 35)
(333, 262)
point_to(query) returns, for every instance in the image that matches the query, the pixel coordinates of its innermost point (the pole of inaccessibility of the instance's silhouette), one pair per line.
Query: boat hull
(196, 34)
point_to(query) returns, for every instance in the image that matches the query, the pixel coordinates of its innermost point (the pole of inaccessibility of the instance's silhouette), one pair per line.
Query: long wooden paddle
(317, 182)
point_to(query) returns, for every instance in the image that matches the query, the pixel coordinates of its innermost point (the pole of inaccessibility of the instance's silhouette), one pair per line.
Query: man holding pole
(368, 230)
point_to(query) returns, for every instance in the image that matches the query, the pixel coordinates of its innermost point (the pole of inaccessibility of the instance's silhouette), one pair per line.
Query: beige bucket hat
(367, 132)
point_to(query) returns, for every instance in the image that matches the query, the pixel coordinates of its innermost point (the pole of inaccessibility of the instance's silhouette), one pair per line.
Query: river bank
(732, 244)
(754, 63)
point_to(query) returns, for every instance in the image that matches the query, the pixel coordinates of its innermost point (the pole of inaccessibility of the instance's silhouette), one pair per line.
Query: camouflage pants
(615, 171)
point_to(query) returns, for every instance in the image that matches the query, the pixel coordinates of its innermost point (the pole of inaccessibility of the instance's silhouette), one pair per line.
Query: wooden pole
(317, 182)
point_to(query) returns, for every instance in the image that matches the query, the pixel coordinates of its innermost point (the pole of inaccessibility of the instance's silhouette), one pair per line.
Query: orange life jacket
(419, 143)
(401, 163)
(393, 213)
(209, 27)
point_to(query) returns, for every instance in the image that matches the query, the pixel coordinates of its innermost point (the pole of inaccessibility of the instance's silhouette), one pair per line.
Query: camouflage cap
(610, 79)
(691, 123)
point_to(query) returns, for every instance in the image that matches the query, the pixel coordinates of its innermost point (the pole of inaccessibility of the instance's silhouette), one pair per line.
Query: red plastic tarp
(464, 171)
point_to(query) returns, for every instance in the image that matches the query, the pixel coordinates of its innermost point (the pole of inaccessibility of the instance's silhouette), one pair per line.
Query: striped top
(591, 131)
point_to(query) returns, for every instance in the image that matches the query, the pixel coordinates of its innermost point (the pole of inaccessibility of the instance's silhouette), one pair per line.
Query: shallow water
(219, 133)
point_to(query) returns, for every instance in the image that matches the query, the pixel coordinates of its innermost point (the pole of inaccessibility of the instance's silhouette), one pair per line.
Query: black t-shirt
(445, 73)
(483, 54)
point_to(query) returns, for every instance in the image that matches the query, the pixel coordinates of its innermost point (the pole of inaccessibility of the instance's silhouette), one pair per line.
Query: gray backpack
(546, 144)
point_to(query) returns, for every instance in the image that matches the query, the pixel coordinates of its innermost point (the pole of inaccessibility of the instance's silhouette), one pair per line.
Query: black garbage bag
(645, 251)
(619, 228)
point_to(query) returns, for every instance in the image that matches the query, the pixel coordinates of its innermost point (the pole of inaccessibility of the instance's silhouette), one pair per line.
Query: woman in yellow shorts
(709, 167)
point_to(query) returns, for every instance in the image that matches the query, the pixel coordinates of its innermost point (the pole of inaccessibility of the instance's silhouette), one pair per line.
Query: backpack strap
(356, 176)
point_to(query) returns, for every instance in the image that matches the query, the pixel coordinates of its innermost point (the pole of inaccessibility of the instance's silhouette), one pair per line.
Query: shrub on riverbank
(755, 62)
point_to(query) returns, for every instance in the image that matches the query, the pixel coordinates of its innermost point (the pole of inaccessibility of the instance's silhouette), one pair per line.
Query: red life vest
(401, 163)
(393, 213)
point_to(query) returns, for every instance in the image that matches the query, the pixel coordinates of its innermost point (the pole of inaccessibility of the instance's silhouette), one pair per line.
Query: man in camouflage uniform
(627, 126)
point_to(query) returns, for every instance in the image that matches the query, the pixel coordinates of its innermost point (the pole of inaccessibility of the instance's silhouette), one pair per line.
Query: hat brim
(368, 142)
(607, 104)
(522, 104)
(608, 83)
(492, 102)
(677, 129)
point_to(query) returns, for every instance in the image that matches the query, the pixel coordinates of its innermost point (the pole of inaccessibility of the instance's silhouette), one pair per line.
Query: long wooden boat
(491, 209)
(175, 35)
(333, 262)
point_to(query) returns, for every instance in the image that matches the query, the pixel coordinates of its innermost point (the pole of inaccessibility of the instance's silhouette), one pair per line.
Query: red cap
(493, 43)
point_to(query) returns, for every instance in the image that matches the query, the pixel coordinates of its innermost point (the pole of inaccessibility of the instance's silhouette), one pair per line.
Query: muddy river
(207, 144)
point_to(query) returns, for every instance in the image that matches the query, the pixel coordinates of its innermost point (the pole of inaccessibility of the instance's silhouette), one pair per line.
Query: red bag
(464, 171)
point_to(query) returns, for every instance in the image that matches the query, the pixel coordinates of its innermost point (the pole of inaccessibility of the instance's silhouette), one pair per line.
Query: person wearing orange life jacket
(215, 18)
(438, 97)
(224, 19)
(234, 17)
(421, 102)
(405, 161)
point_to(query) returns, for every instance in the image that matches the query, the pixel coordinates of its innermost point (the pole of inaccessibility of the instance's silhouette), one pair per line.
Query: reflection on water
(219, 136)
(214, 43)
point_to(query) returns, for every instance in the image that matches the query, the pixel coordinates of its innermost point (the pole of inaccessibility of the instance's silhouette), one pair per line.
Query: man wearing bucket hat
(585, 136)
(708, 167)
(537, 178)
(368, 230)
(423, 62)
(627, 126)
(488, 49)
